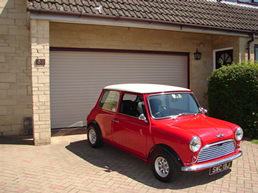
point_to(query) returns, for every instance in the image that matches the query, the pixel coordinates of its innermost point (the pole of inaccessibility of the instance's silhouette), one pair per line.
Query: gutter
(113, 20)
(249, 43)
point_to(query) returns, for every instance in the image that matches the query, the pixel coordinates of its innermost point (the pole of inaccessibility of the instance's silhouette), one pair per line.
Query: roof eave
(112, 20)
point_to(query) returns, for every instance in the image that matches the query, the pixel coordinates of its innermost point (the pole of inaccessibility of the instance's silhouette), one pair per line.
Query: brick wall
(15, 70)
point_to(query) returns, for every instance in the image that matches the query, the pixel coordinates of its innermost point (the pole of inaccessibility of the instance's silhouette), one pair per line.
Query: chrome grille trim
(216, 150)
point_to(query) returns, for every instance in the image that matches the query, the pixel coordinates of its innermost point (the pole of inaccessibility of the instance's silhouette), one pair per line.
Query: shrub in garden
(233, 96)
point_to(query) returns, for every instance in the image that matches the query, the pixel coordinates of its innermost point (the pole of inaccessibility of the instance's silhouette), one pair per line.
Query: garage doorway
(78, 76)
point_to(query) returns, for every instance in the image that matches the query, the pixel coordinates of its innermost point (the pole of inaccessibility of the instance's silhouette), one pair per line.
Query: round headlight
(239, 134)
(195, 144)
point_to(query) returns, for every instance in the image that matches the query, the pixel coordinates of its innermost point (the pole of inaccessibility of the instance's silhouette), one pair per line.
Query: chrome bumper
(209, 165)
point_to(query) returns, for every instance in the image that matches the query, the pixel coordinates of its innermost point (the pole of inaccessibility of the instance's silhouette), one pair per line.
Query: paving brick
(70, 165)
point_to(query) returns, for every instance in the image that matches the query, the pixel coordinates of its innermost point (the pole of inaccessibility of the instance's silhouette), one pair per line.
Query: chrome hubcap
(162, 167)
(92, 136)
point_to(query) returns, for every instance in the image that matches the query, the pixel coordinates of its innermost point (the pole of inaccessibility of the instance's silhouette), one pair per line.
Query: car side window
(109, 100)
(132, 105)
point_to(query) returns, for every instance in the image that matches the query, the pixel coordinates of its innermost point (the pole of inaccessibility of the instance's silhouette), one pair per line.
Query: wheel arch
(166, 148)
(95, 123)
(92, 122)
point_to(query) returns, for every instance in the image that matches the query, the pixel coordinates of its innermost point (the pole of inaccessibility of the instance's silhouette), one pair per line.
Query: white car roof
(144, 88)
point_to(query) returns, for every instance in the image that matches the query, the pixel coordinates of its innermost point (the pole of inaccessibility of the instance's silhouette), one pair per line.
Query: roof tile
(198, 12)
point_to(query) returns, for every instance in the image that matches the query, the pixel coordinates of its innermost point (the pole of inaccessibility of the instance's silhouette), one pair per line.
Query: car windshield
(173, 105)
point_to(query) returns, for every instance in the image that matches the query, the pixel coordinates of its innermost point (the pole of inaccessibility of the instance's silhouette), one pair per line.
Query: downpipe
(249, 43)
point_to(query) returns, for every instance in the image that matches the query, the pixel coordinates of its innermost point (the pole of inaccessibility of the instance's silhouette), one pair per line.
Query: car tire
(94, 136)
(164, 166)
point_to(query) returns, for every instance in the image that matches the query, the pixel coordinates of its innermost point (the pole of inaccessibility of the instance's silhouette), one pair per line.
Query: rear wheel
(94, 136)
(164, 166)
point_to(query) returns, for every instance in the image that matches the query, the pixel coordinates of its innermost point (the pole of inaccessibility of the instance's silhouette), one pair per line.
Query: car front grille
(216, 150)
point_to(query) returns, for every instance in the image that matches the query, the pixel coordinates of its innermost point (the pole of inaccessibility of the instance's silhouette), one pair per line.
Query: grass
(254, 141)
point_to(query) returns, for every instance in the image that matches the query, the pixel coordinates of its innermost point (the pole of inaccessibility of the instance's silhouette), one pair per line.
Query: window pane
(173, 104)
(256, 52)
(109, 100)
(224, 57)
(248, 1)
(132, 105)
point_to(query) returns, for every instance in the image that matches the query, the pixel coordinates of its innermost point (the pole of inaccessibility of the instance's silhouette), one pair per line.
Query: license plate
(220, 168)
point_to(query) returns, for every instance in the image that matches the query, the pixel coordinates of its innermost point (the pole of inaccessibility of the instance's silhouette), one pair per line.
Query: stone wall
(107, 37)
(40, 81)
(24, 86)
(15, 70)
(243, 53)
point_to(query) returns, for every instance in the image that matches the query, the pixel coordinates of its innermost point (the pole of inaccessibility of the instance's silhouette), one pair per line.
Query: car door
(129, 132)
(108, 105)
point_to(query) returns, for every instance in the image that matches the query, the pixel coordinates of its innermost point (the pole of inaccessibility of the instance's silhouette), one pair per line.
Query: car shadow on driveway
(114, 160)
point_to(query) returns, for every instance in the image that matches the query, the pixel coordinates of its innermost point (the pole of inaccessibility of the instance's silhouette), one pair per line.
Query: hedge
(233, 96)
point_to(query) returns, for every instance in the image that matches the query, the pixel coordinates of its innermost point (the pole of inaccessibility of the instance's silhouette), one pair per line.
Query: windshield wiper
(182, 114)
(179, 115)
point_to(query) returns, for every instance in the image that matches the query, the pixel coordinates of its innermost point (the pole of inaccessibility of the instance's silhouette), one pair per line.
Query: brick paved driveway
(70, 165)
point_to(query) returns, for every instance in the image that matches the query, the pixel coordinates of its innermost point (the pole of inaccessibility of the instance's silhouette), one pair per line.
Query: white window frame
(214, 55)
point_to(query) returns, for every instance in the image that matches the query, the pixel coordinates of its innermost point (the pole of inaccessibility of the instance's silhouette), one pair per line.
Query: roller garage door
(77, 78)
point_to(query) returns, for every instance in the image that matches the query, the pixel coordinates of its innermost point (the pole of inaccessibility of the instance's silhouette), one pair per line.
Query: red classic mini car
(165, 126)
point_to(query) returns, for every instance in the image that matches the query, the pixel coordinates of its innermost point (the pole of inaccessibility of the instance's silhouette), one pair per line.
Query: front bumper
(209, 165)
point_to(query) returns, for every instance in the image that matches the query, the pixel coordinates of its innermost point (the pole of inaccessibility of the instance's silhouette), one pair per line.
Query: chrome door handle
(115, 121)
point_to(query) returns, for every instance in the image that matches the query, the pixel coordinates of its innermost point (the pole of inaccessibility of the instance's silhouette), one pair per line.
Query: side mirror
(204, 110)
(143, 118)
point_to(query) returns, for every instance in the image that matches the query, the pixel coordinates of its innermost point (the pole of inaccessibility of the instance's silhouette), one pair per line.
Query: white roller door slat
(77, 78)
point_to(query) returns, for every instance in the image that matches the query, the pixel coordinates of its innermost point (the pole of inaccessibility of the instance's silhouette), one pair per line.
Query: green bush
(233, 96)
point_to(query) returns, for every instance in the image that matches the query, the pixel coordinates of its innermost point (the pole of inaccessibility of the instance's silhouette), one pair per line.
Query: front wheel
(164, 166)
(94, 136)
